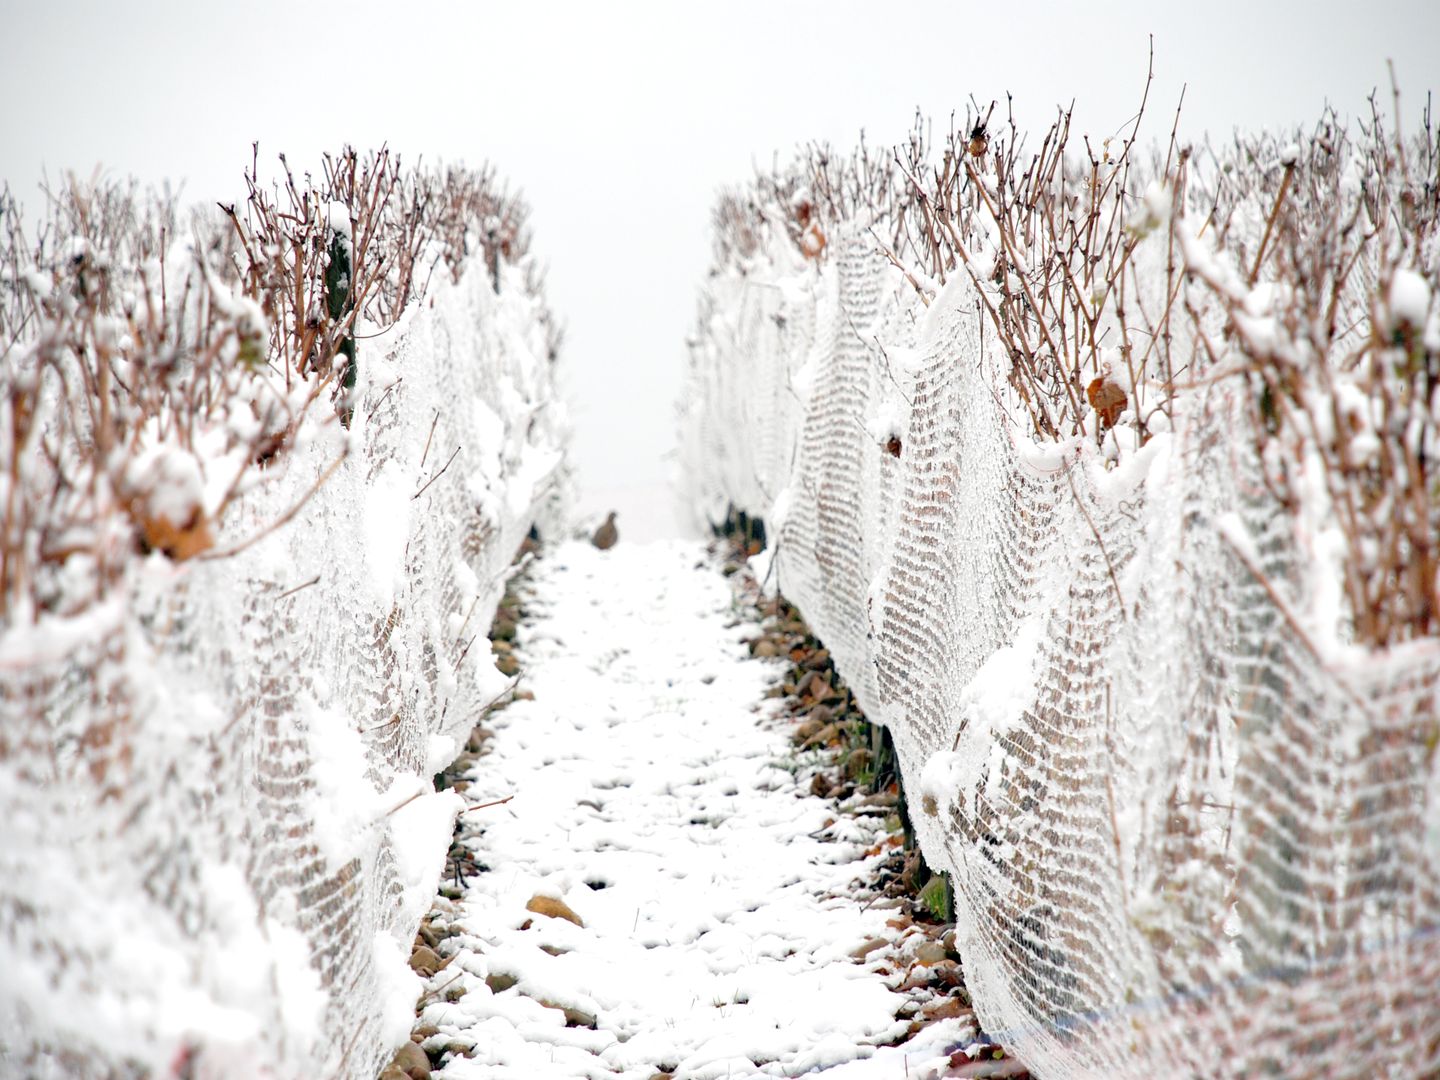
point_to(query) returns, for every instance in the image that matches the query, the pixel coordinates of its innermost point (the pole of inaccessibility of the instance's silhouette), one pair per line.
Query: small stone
(765, 649)
(501, 648)
(499, 982)
(929, 952)
(579, 1018)
(553, 908)
(423, 1032)
(573, 1017)
(524, 695)
(412, 1061)
(425, 961)
(507, 665)
(392, 1073)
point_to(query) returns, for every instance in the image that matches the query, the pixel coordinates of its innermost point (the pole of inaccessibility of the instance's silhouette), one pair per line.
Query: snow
(1158, 202)
(779, 513)
(386, 524)
(52, 637)
(170, 480)
(656, 798)
(1231, 526)
(762, 568)
(420, 829)
(992, 704)
(396, 988)
(803, 381)
(1409, 298)
(337, 216)
(344, 803)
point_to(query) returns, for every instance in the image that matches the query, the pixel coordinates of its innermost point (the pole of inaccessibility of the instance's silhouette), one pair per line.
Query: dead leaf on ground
(950, 1008)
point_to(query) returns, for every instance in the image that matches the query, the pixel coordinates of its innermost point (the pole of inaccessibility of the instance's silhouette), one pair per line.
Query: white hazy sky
(620, 121)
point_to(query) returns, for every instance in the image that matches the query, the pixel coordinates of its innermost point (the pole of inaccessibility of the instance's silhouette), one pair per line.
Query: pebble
(499, 982)
(929, 952)
(412, 1061)
(553, 908)
(425, 961)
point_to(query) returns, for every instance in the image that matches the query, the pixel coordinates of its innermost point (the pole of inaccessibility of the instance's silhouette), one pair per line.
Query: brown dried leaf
(1107, 399)
(179, 543)
(812, 241)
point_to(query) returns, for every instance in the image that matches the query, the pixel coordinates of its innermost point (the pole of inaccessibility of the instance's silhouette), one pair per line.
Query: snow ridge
(220, 832)
(1175, 817)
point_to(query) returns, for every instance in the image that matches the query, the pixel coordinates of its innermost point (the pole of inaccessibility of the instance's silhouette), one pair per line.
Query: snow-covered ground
(720, 902)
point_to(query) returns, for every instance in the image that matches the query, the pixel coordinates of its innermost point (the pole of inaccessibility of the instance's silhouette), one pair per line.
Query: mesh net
(213, 864)
(1181, 843)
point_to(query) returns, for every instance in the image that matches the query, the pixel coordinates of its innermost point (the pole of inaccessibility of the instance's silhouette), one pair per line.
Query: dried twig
(487, 805)
(437, 476)
(291, 592)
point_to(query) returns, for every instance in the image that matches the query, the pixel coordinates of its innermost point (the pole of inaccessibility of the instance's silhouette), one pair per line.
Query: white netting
(1180, 843)
(219, 829)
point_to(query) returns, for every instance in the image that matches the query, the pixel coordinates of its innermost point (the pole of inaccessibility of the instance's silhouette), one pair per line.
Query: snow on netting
(219, 826)
(1180, 843)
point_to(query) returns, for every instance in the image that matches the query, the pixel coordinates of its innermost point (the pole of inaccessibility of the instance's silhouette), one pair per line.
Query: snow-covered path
(651, 798)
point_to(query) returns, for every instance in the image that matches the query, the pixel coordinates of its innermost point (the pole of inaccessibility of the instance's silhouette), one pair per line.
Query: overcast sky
(621, 120)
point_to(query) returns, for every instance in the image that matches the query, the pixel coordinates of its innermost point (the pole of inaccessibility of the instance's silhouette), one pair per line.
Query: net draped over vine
(219, 831)
(1180, 842)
